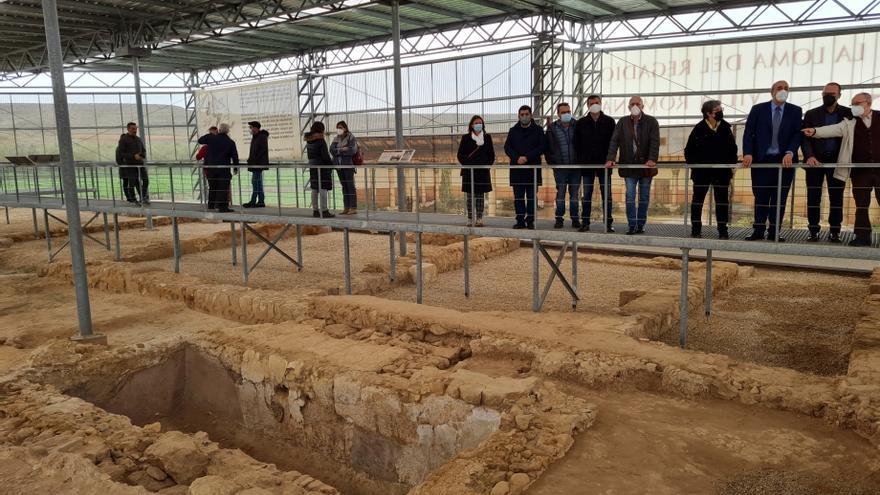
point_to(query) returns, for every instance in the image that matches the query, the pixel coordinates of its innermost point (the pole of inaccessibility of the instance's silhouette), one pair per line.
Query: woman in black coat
(321, 180)
(711, 142)
(476, 149)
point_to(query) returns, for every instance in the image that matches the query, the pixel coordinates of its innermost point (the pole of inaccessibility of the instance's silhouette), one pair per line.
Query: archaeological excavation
(287, 385)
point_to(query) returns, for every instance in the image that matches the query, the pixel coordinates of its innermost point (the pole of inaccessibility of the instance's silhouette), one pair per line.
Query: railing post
(683, 300)
(778, 221)
(536, 304)
(467, 271)
(346, 261)
(419, 266)
(709, 288)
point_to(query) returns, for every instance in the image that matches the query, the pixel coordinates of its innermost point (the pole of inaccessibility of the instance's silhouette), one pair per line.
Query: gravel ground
(505, 284)
(322, 260)
(794, 319)
(773, 482)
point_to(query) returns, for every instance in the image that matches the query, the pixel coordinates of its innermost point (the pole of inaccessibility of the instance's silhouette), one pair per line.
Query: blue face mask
(478, 127)
(566, 117)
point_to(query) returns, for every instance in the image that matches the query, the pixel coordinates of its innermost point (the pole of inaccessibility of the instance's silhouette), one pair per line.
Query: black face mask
(719, 116)
(829, 100)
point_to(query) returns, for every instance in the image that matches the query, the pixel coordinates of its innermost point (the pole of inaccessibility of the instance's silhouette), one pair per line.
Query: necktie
(777, 120)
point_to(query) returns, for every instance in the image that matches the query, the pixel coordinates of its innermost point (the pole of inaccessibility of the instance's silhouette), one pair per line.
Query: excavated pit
(303, 430)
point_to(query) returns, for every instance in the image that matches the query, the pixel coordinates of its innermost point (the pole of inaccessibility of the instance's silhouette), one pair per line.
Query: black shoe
(631, 231)
(249, 204)
(859, 243)
(316, 213)
(584, 228)
(519, 226)
(530, 225)
(132, 202)
(575, 223)
(559, 224)
(260, 205)
(755, 237)
(327, 214)
(722, 234)
(772, 238)
(225, 210)
(611, 229)
(640, 230)
(696, 231)
(834, 238)
(146, 202)
(814, 237)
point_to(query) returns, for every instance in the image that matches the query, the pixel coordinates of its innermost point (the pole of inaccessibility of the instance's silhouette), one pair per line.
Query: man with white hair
(221, 151)
(859, 143)
(772, 135)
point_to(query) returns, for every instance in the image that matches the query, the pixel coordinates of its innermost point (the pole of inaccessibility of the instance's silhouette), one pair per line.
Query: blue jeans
(258, 195)
(570, 180)
(589, 177)
(637, 214)
(524, 203)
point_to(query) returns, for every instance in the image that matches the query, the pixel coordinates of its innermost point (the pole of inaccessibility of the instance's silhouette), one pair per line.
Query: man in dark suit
(823, 151)
(221, 151)
(772, 135)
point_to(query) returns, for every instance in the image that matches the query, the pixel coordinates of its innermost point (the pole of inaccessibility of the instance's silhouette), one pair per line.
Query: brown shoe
(352, 211)
(344, 212)
(479, 223)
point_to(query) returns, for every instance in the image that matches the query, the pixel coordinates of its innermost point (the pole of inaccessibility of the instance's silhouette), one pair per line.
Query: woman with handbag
(476, 149)
(344, 150)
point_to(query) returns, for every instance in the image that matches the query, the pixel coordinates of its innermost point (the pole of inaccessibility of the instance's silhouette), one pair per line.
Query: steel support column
(398, 112)
(68, 174)
(547, 71)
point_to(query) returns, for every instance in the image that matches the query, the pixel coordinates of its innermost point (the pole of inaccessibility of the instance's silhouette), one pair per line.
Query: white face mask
(635, 110)
(782, 95)
(857, 110)
(595, 108)
(340, 132)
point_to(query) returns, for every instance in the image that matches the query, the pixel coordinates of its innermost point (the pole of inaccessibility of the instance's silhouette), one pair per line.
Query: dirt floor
(657, 424)
(753, 320)
(505, 284)
(677, 446)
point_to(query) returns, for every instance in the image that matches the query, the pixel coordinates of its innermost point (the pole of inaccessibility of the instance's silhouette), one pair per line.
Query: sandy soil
(322, 260)
(24, 256)
(676, 446)
(36, 310)
(505, 284)
(798, 320)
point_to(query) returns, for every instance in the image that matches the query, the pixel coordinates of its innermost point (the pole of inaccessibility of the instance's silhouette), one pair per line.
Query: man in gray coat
(637, 138)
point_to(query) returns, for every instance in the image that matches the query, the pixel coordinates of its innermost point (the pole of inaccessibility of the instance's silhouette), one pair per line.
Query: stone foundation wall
(657, 310)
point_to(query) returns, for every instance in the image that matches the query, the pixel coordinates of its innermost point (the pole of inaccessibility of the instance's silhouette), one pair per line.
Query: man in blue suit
(772, 135)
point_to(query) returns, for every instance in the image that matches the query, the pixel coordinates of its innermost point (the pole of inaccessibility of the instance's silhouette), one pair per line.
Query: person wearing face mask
(859, 143)
(592, 136)
(824, 151)
(476, 148)
(561, 151)
(772, 135)
(342, 149)
(711, 142)
(524, 146)
(637, 138)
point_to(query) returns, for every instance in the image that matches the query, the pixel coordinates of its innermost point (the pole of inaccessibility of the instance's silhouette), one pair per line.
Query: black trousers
(721, 191)
(138, 182)
(349, 192)
(816, 177)
(589, 177)
(219, 192)
(864, 182)
(765, 188)
(480, 203)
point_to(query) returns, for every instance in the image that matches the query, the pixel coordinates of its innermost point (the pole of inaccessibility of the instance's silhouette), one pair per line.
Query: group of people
(592, 139)
(219, 152)
(774, 134)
